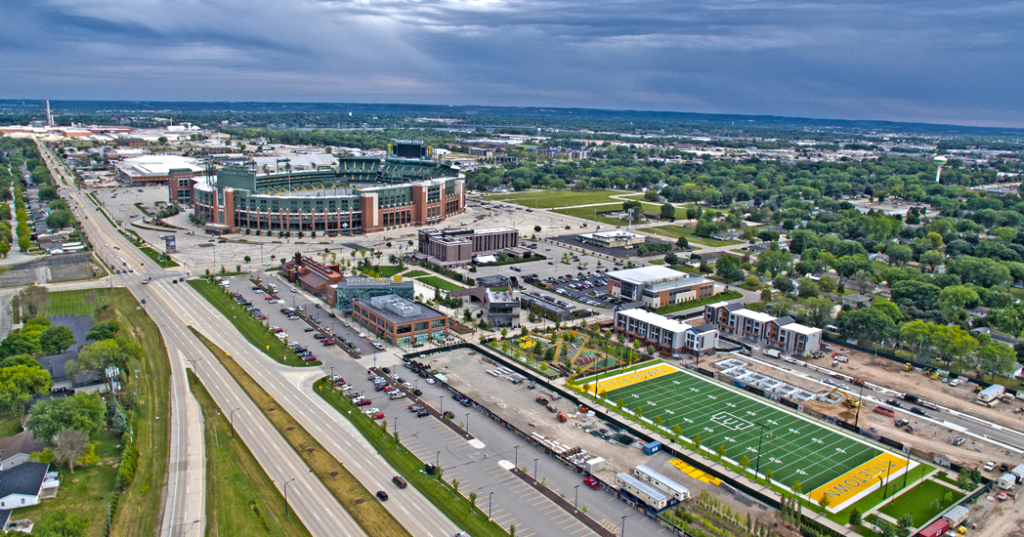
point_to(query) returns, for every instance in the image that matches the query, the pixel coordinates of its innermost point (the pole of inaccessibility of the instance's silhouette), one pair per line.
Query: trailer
(956, 515)
(935, 529)
(884, 411)
(644, 493)
(992, 393)
(662, 483)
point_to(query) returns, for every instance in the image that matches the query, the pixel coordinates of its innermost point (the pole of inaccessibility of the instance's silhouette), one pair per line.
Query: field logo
(729, 421)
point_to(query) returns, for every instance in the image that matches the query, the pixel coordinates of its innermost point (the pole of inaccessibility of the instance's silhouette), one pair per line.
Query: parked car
(422, 413)
(592, 483)
(309, 329)
(364, 402)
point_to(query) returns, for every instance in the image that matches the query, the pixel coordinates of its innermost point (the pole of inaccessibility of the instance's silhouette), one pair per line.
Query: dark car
(918, 411)
(386, 370)
(422, 414)
(382, 496)
(893, 402)
(399, 481)
(308, 329)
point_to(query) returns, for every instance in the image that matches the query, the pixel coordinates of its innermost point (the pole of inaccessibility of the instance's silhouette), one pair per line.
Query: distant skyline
(932, 62)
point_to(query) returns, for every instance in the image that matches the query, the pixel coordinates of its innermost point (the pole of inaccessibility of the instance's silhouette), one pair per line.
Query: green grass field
(441, 283)
(673, 231)
(796, 450)
(917, 501)
(164, 262)
(725, 295)
(548, 199)
(415, 274)
(76, 302)
(252, 329)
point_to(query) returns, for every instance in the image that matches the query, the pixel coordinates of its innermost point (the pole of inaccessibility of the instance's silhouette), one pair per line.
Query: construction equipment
(561, 417)
(552, 408)
(907, 367)
(934, 375)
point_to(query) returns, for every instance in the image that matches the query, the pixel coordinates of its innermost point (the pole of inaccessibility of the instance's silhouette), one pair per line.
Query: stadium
(356, 195)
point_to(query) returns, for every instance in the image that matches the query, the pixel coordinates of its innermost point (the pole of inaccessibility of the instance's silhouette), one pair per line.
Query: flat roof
(801, 329)
(654, 493)
(679, 489)
(415, 312)
(660, 321)
(756, 315)
(651, 274)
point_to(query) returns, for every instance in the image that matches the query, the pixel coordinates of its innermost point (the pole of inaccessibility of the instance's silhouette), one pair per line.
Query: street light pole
(622, 532)
(232, 419)
(760, 435)
(535, 469)
(517, 455)
(490, 504)
(576, 504)
(467, 422)
(286, 496)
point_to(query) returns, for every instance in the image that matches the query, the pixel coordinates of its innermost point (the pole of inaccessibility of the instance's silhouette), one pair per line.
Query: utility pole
(760, 436)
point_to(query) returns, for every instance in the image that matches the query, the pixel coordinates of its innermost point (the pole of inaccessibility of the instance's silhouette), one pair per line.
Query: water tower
(939, 161)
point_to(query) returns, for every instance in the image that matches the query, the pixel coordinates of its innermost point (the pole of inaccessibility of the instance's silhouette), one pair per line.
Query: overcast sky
(931, 61)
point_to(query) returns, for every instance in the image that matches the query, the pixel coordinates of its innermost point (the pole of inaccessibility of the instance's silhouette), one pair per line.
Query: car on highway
(592, 483)
(894, 402)
(918, 411)
(399, 482)
(382, 496)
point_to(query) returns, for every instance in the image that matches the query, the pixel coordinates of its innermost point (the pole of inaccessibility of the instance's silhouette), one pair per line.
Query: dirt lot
(997, 519)
(467, 373)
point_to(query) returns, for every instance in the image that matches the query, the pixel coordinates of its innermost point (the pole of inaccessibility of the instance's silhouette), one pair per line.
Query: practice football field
(794, 448)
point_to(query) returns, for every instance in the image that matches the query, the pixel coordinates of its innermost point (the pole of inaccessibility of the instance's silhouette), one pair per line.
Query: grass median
(364, 508)
(456, 507)
(163, 260)
(252, 329)
(440, 283)
(240, 497)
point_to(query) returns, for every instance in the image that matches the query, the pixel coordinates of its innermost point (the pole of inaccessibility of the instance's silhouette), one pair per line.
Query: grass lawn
(590, 213)
(138, 508)
(163, 261)
(10, 425)
(375, 520)
(546, 199)
(236, 485)
(455, 506)
(868, 502)
(675, 232)
(416, 274)
(917, 502)
(724, 295)
(89, 497)
(252, 329)
(441, 283)
(383, 271)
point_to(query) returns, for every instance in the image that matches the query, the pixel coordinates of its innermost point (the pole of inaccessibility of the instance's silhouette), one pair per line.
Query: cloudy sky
(932, 61)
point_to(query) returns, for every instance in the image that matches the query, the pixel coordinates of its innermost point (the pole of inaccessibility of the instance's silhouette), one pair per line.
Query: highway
(176, 306)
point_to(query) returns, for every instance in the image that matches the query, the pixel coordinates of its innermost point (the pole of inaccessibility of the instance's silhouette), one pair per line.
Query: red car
(364, 402)
(328, 342)
(378, 416)
(592, 483)
(278, 330)
(269, 298)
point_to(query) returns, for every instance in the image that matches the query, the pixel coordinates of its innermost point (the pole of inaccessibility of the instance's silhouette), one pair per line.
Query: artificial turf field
(797, 449)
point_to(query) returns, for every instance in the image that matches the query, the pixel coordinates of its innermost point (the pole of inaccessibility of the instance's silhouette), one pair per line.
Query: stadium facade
(357, 195)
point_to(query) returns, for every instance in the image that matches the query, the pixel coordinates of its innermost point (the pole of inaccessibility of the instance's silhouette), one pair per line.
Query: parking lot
(591, 290)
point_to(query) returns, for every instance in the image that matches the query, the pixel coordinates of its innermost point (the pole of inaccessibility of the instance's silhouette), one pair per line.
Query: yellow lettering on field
(633, 377)
(852, 483)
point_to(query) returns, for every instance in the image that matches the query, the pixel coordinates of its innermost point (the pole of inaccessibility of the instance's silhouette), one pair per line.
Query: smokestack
(49, 116)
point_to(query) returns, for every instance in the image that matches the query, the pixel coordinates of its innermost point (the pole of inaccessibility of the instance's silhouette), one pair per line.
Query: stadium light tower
(939, 161)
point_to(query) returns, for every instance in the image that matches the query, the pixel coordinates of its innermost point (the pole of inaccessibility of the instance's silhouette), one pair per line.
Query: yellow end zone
(633, 377)
(852, 483)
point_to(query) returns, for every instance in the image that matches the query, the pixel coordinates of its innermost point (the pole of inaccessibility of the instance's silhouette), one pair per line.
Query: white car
(282, 335)
(259, 291)
(378, 345)
(989, 466)
(371, 410)
(431, 381)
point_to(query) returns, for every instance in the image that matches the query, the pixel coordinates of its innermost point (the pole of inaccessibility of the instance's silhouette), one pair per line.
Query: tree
(682, 243)
(60, 523)
(59, 219)
(824, 501)
(954, 299)
(19, 383)
(744, 461)
(906, 521)
(783, 284)
(69, 445)
(899, 254)
(728, 267)
(83, 412)
(104, 330)
(721, 451)
(56, 339)
(1009, 319)
(932, 259)
(964, 480)
(885, 528)
(819, 310)
(774, 260)
(806, 288)
(536, 229)
(472, 498)
(97, 357)
(996, 359)
(668, 211)
(855, 517)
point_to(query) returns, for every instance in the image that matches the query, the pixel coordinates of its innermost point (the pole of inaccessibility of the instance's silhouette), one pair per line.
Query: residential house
(14, 450)
(21, 485)
(856, 301)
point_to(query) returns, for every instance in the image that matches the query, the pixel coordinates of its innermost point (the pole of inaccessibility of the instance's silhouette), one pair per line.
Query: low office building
(500, 305)
(612, 239)
(658, 287)
(342, 294)
(552, 308)
(399, 321)
(157, 169)
(455, 247)
(783, 333)
(669, 336)
(312, 276)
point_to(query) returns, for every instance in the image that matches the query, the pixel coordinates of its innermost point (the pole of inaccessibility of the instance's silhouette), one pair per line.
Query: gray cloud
(949, 62)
